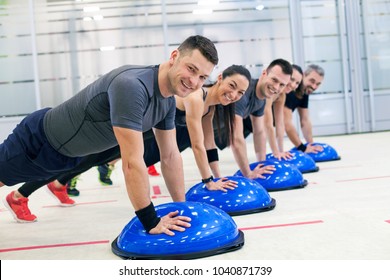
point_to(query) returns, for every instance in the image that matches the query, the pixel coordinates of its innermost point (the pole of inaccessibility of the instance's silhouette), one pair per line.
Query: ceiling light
(260, 7)
(98, 17)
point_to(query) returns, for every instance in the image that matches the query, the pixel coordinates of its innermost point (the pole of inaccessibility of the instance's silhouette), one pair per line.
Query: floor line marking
(54, 246)
(160, 196)
(283, 225)
(156, 190)
(339, 167)
(361, 179)
(81, 203)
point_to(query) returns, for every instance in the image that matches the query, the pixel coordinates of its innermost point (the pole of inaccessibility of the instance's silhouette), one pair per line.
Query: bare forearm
(307, 131)
(172, 170)
(201, 161)
(215, 169)
(280, 136)
(240, 155)
(272, 140)
(259, 141)
(280, 140)
(293, 135)
(137, 185)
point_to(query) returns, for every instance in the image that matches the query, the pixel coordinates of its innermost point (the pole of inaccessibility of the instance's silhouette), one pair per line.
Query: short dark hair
(236, 69)
(284, 64)
(203, 44)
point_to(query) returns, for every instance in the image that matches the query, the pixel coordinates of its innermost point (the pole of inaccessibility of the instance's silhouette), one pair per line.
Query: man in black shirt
(312, 79)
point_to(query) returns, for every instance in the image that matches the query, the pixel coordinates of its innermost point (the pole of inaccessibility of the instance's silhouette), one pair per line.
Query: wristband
(209, 179)
(302, 147)
(148, 217)
(212, 155)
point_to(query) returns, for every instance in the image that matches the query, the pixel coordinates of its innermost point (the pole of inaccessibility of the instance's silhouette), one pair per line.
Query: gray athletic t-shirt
(250, 104)
(127, 97)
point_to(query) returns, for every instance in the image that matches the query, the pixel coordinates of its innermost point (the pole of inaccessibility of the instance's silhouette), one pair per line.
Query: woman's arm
(279, 120)
(194, 107)
(209, 142)
(269, 128)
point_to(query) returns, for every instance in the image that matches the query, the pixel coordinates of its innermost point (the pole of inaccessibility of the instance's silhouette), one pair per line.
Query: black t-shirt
(293, 102)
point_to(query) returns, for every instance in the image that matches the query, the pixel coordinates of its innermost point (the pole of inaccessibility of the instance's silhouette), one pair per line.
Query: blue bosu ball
(299, 159)
(248, 197)
(285, 177)
(328, 153)
(212, 232)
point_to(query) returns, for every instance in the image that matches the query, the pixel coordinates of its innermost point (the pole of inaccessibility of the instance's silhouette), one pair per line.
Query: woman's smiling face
(232, 88)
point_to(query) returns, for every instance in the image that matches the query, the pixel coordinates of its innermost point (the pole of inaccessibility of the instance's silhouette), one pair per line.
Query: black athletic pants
(151, 156)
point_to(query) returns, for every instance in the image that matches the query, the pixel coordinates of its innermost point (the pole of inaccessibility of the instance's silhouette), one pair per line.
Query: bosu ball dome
(212, 232)
(285, 177)
(328, 153)
(248, 197)
(299, 159)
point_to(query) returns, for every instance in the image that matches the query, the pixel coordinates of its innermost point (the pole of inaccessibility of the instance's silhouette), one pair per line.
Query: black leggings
(86, 163)
(151, 156)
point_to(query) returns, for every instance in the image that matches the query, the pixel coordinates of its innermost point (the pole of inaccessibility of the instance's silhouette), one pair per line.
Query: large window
(77, 41)
(17, 88)
(50, 49)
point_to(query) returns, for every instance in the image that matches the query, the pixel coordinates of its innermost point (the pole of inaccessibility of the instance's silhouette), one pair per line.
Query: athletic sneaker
(105, 171)
(152, 171)
(19, 208)
(71, 187)
(61, 194)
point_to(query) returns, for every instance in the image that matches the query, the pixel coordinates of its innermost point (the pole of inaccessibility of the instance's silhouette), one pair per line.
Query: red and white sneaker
(61, 194)
(19, 209)
(152, 171)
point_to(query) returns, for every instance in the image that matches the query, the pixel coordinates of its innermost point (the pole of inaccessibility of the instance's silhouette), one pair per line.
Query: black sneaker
(105, 171)
(71, 187)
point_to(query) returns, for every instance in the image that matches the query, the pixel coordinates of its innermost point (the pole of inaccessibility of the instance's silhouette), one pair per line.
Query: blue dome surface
(212, 232)
(328, 153)
(301, 160)
(285, 177)
(248, 197)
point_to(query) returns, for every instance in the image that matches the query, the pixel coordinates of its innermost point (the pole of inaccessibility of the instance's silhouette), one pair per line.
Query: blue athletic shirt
(250, 104)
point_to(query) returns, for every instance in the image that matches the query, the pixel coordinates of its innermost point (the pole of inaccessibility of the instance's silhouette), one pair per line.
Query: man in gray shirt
(114, 110)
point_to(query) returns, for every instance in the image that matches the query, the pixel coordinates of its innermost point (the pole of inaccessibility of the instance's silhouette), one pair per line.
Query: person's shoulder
(252, 85)
(136, 77)
(137, 71)
(196, 95)
(194, 99)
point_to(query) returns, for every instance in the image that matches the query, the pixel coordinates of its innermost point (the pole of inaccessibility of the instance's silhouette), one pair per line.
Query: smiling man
(249, 116)
(114, 110)
(312, 79)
